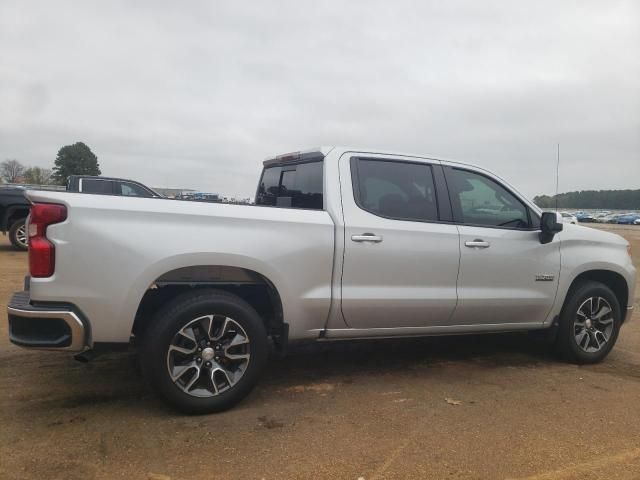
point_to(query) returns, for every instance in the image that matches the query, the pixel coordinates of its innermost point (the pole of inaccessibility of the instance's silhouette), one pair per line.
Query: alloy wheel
(21, 235)
(208, 356)
(593, 325)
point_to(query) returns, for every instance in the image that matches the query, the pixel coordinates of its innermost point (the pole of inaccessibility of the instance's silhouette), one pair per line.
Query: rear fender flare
(147, 278)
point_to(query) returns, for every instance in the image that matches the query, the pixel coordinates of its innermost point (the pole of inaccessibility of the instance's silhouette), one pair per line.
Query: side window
(91, 185)
(482, 201)
(297, 186)
(394, 189)
(131, 190)
(308, 186)
(535, 219)
(269, 186)
(287, 188)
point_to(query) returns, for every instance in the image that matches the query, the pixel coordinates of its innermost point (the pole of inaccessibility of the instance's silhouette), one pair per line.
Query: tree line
(75, 159)
(592, 199)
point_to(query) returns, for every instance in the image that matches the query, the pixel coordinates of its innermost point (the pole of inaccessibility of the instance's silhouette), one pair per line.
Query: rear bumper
(47, 326)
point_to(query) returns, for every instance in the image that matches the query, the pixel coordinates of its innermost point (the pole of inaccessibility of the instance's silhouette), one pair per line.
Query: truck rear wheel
(589, 323)
(205, 351)
(18, 234)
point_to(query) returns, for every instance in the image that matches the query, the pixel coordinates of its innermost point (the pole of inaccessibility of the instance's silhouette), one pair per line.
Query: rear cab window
(292, 185)
(92, 185)
(129, 189)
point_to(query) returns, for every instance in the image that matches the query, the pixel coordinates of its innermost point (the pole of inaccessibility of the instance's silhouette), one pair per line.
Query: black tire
(570, 325)
(15, 236)
(181, 312)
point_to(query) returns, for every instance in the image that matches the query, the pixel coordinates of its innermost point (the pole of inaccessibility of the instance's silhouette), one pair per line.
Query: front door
(400, 258)
(506, 275)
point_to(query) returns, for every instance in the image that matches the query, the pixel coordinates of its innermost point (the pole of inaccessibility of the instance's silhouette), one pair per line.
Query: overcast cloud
(196, 94)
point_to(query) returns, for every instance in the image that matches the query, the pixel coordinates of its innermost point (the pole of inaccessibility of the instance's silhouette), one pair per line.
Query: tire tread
(164, 326)
(565, 343)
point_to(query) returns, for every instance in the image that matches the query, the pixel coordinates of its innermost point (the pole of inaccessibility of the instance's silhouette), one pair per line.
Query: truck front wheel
(205, 351)
(589, 323)
(18, 234)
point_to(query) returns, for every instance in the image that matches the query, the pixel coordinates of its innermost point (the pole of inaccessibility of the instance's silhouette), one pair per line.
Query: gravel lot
(463, 407)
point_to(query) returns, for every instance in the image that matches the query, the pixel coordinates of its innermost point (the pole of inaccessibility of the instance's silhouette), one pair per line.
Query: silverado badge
(545, 278)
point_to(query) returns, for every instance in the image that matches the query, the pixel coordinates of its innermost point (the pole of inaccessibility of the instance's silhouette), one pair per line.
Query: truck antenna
(557, 175)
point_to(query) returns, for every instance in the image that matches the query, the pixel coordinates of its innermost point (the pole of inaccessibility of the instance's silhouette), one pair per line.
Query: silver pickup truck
(341, 244)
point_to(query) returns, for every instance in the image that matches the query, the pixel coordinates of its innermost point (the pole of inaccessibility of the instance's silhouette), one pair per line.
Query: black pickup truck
(109, 186)
(14, 207)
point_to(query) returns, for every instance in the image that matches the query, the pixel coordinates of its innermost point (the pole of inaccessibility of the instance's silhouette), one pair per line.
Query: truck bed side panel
(111, 249)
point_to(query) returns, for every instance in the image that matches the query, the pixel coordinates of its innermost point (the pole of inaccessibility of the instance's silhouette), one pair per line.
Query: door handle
(477, 243)
(367, 237)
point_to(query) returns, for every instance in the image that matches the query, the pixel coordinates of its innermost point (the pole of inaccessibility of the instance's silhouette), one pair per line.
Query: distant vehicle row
(631, 218)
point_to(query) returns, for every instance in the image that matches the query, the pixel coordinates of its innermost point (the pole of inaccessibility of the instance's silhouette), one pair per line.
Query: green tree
(37, 176)
(593, 199)
(76, 159)
(11, 170)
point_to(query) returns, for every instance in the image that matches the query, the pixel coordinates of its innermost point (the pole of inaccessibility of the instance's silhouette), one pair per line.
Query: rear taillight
(42, 253)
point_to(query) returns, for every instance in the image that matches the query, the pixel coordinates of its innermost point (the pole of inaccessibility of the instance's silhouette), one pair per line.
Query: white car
(569, 218)
(341, 244)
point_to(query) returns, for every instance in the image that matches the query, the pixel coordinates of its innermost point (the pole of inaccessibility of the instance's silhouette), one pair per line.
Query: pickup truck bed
(148, 239)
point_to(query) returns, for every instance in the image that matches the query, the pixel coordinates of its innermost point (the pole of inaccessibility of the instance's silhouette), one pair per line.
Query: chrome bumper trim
(76, 326)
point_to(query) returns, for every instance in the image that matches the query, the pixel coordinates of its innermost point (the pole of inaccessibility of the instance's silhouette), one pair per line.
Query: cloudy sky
(196, 94)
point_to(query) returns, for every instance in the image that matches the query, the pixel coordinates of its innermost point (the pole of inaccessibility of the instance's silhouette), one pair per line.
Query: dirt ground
(492, 406)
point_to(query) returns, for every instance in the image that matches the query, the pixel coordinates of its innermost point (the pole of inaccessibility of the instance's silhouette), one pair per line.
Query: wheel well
(613, 280)
(252, 287)
(16, 214)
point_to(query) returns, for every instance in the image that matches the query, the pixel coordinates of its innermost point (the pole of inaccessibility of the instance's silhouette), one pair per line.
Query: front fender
(580, 256)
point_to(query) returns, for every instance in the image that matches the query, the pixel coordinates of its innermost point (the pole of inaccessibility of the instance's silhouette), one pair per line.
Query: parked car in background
(628, 219)
(202, 197)
(341, 244)
(569, 218)
(609, 218)
(584, 217)
(109, 186)
(14, 207)
(636, 221)
(601, 216)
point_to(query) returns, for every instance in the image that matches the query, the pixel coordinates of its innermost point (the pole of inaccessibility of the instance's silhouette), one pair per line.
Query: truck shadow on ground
(403, 356)
(11, 249)
(116, 378)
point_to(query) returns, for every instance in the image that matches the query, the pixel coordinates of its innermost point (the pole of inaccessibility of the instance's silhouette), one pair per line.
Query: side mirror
(550, 224)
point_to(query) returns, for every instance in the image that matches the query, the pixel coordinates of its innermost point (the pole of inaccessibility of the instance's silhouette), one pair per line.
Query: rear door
(506, 275)
(401, 251)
